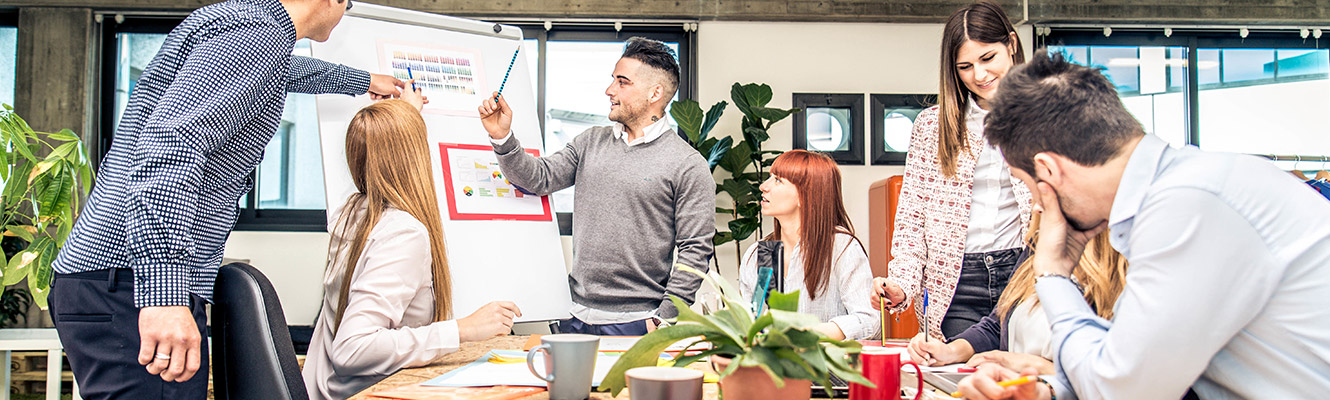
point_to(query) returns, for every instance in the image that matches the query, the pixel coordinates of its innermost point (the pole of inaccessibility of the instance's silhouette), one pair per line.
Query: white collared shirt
(1226, 292)
(995, 215)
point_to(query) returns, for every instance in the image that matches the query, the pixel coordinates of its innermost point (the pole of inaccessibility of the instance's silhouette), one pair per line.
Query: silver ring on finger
(162, 356)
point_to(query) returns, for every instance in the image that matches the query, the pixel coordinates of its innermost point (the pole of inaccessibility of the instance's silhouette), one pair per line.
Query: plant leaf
(740, 98)
(754, 134)
(718, 151)
(712, 116)
(22, 231)
(647, 351)
(772, 115)
(688, 115)
(65, 135)
(721, 238)
(783, 301)
(62, 151)
(14, 270)
(766, 360)
(786, 320)
(686, 314)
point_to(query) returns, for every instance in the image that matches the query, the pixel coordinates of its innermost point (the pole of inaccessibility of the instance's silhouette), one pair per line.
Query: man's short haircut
(1052, 105)
(657, 55)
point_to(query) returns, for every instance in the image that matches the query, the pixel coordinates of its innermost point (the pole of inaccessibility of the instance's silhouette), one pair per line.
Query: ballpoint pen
(926, 326)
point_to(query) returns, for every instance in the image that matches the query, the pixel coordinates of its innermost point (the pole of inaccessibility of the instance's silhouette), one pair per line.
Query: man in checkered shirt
(132, 280)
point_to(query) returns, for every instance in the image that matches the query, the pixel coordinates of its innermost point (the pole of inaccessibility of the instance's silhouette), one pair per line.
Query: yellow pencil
(882, 302)
(1013, 382)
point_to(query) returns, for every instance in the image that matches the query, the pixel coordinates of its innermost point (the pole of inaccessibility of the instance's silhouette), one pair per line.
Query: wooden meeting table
(473, 351)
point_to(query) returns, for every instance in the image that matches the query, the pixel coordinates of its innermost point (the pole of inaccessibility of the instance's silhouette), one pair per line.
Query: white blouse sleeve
(371, 339)
(855, 279)
(748, 274)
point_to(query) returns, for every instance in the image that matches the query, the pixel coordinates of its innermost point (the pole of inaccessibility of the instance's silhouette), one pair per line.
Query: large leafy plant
(745, 160)
(781, 341)
(41, 198)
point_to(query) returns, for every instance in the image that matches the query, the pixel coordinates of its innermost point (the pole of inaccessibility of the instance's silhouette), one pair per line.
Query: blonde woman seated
(386, 291)
(823, 259)
(1016, 334)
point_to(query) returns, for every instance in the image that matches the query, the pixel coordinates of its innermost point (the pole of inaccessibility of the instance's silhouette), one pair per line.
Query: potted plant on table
(778, 353)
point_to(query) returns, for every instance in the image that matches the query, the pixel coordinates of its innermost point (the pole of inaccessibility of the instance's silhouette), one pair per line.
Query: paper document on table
(482, 372)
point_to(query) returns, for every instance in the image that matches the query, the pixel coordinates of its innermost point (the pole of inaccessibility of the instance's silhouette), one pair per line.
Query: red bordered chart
(477, 190)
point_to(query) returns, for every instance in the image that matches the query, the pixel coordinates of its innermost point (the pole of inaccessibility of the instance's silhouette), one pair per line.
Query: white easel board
(502, 244)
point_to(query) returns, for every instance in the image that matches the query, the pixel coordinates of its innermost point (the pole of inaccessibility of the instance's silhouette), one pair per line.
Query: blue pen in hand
(412, 78)
(926, 314)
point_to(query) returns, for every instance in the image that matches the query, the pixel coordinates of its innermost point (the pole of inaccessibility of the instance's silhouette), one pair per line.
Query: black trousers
(983, 278)
(94, 315)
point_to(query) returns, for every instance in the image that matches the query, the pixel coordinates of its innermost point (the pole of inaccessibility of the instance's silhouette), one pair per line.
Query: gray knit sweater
(634, 207)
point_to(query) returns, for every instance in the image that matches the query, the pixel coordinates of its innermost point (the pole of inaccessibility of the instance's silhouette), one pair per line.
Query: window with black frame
(1267, 93)
(831, 124)
(288, 192)
(892, 117)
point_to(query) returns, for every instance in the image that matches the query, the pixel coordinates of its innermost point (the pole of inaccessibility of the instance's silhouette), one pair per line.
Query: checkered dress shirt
(195, 128)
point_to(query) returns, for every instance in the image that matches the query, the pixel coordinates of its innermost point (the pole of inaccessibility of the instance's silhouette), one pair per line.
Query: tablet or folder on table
(944, 381)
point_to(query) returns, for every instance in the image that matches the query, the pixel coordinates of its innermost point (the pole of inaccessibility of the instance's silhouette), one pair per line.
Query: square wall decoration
(832, 124)
(892, 117)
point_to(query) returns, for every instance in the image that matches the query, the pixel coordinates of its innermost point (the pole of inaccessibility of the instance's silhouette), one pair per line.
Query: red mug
(882, 366)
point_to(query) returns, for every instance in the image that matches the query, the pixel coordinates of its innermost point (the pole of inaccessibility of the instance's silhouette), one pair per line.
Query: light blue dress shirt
(1228, 287)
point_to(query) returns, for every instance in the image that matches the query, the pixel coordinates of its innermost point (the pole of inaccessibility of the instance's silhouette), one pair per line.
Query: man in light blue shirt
(1230, 256)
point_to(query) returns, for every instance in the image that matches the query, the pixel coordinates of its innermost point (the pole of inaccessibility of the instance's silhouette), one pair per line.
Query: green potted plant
(45, 178)
(777, 350)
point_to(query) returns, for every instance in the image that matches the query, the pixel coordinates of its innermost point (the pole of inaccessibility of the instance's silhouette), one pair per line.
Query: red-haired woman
(823, 259)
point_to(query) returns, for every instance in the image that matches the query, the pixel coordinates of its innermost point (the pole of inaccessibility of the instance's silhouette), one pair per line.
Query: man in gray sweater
(642, 193)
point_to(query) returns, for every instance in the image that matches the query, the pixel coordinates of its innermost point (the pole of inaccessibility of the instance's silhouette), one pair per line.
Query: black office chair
(252, 355)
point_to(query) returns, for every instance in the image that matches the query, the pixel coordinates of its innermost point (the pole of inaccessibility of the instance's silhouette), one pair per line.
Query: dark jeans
(574, 325)
(94, 315)
(983, 277)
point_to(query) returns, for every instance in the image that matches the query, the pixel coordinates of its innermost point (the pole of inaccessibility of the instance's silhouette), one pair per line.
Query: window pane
(828, 129)
(1207, 66)
(1267, 104)
(1120, 63)
(576, 76)
(1247, 64)
(8, 61)
(291, 173)
(1150, 82)
(897, 125)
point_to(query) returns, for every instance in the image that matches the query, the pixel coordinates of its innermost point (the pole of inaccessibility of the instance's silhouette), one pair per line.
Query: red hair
(821, 213)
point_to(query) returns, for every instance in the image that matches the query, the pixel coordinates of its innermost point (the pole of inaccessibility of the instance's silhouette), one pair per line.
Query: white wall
(791, 57)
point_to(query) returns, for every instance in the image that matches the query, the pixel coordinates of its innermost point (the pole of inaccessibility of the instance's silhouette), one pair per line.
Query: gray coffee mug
(570, 360)
(664, 383)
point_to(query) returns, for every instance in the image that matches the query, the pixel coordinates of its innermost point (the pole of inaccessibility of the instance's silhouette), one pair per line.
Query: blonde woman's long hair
(388, 155)
(1102, 272)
